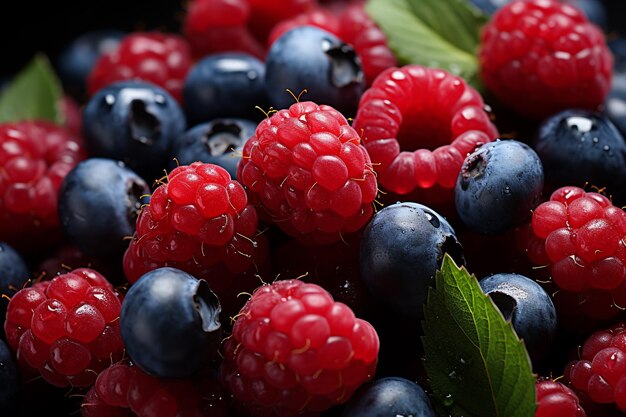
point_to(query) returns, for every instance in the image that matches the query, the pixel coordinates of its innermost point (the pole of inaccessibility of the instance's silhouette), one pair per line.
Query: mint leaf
(34, 94)
(435, 33)
(476, 364)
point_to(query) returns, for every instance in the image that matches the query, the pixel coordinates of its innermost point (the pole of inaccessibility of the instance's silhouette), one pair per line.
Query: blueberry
(401, 249)
(225, 85)
(489, 6)
(219, 142)
(13, 275)
(170, 323)
(135, 122)
(78, 58)
(615, 105)
(389, 397)
(311, 59)
(529, 308)
(99, 201)
(498, 186)
(9, 382)
(618, 48)
(579, 147)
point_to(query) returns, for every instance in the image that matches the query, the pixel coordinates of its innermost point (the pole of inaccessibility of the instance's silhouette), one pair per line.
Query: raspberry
(308, 170)
(125, 390)
(200, 222)
(67, 329)
(35, 157)
(162, 59)
(542, 56)
(266, 14)
(295, 351)
(213, 26)
(556, 400)
(354, 26)
(600, 374)
(418, 124)
(580, 235)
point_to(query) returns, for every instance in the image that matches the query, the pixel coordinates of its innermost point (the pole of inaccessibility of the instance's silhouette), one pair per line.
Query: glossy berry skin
(615, 106)
(78, 58)
(218, 142)
(390, 396)
(600, 373)
(13, 270)
(540, 57)
(134, 122)
(225, 85)
(158, 58)
(308, 172)
(66, 329)
(401, 249)
(200, 222)
(498, 186)
(326, 67)
(556, 400)
(124, 390)
(9, 381)
(295, 351)
(35, 157)
(99, 201)
(170, 323)
(579, 147)
(529, 308)
(418, 124)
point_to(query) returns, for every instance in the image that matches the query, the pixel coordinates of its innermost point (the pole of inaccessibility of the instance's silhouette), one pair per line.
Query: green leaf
(476, 364)
(435, 33)
(34, 93)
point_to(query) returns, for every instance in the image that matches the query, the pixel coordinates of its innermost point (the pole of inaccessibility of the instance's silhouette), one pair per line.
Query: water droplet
(448, 400)
(252, 75)
(595, 140)
(462, 361)
(606, 148)
(159, 99)
(453, 375)
(109, 99)
(506, 190)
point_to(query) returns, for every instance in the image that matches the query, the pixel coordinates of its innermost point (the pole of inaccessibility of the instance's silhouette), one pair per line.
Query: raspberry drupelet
(539, 57)
(305, 166)
(418, 124)
(556, 400)
(294, 351)
(35, 156)
(158, 58)
(66, 329)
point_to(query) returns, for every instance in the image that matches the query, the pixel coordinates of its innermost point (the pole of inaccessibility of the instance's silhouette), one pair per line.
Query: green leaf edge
(10, 111)
(450, 266)
(466, 63)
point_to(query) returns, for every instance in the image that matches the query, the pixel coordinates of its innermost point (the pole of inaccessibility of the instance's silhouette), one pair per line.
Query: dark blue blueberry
(618, 48)
(401, 249)
(13, 275)
(78, 58)
(99, 201)
(135, 122)
(170, 323)
(9, 382)
(225, 85)
(527, 306)
(498, 186)
(489, 6)
(389, 397)
(615, 105)
(579, 147)
(594, 10)
(219, 142)
(311, 59)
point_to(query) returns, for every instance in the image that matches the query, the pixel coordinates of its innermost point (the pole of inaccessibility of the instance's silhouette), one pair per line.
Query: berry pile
(276, 192)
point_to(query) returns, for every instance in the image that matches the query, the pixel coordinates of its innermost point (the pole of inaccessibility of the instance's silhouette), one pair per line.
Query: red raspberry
(125, 390)
(199, 221)
(266, 14)
(542, 56)
(307, 168)
(162, 59)
(600, 374)
(295, 351)
(582, 237)
(35, 157)
(66, 329)
(418, 124)
(354, 26)
(556, 400)
(213, 26)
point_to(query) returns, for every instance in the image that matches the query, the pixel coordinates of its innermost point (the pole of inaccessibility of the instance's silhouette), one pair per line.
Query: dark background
(28, 27)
